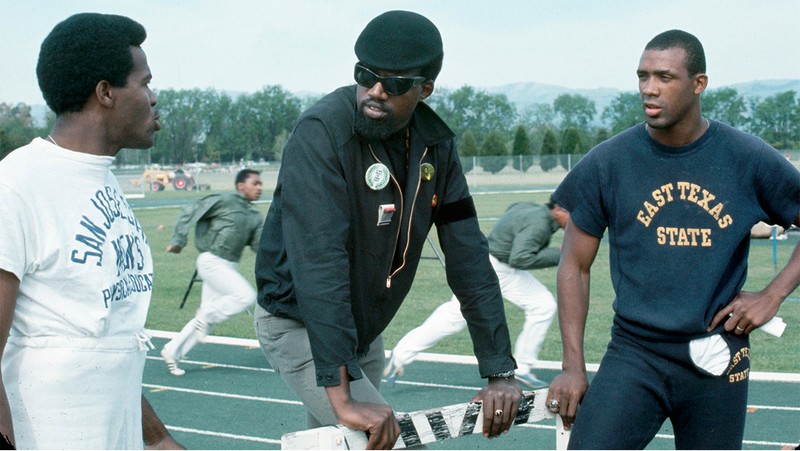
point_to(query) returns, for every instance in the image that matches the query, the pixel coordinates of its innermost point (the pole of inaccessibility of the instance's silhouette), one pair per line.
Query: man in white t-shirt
(76, 273)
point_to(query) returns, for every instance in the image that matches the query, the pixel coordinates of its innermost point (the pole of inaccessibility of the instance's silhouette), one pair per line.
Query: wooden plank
(425, 426)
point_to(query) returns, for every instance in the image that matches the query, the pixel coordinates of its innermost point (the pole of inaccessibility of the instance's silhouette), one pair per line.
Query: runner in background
(518, 242)
(226, 224)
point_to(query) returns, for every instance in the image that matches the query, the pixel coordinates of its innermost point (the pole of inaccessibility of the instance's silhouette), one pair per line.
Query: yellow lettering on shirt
(683, 191)
(683, 236)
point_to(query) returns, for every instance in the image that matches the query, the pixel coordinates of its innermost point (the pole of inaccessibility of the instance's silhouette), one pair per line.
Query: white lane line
(219, 365)
(224, 435)
(783, 408)
(221, 395)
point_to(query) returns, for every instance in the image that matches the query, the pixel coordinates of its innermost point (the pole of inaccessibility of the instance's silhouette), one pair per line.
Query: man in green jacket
(226, 223)
(517, 243)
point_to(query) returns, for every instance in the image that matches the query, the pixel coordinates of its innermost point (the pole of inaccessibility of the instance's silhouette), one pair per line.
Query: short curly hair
(695, 56)
(80, 52)
(245, 174)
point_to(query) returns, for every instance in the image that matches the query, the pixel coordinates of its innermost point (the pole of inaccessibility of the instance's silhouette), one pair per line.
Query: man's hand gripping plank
(426, 426)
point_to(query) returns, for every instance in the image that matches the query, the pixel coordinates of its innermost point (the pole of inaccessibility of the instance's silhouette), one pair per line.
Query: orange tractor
(157, 179)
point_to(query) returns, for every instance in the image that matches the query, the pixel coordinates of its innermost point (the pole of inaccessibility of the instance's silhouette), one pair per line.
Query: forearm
(9, 289)
(488, 329)
(546, 258)
(474, 282)
(189, 216)
(180, 232)
(7, 440)
(339, 395)
(787, 280)
(573, 308)
(377, 420)
(154, 432)
(574, 271)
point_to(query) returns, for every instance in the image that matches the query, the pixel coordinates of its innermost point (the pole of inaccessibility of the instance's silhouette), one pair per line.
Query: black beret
(398, 41)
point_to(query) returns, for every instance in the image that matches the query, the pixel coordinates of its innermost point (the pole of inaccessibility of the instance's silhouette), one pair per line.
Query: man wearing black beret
(366, 173)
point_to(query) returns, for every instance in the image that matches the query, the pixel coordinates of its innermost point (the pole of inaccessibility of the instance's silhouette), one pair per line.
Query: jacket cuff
(177, 241)
(495, 364)
(329, 377)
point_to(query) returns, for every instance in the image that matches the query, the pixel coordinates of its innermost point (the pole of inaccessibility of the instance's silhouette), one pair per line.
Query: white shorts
(75, 393)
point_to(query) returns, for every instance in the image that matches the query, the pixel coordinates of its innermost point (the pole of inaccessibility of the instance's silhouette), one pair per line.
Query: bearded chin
(372, 130)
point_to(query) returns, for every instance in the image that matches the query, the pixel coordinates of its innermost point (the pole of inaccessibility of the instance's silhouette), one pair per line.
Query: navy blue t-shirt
(678, 221)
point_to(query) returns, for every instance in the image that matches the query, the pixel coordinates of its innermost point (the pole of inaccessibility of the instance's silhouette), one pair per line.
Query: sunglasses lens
(364, 77)
(394, 86)
(397, 86)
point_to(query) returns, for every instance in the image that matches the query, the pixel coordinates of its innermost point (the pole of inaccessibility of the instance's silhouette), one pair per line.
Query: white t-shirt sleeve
(16, 247)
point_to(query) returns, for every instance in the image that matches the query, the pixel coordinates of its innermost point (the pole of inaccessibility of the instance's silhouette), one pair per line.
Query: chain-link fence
(528, 172)
(515, 173)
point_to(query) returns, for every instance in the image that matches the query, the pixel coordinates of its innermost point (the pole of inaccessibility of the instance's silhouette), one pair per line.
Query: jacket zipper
(397, 236)
(410, 220)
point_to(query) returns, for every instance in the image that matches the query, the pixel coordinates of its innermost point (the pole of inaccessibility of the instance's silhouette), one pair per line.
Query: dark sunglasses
(393, 85)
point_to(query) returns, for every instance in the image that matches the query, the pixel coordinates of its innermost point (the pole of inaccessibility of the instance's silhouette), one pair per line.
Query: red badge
(434, 201)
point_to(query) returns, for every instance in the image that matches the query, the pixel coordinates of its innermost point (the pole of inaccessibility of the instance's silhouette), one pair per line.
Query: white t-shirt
(86, 275)
(68, 233)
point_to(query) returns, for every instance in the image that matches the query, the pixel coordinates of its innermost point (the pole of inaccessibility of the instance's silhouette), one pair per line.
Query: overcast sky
(307, 45)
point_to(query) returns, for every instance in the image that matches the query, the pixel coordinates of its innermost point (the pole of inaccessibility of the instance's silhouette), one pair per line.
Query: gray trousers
(285, 343)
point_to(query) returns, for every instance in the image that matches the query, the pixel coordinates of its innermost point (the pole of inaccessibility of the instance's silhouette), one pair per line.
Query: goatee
(371, 129)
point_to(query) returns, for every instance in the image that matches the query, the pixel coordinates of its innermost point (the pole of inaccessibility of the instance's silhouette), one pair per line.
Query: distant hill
(525, 94)
(766, 88)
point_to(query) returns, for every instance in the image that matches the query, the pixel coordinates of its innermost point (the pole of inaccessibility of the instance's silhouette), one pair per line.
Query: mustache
(377, 104)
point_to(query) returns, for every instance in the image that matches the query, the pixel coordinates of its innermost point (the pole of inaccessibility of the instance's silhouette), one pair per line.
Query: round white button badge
(377, 176)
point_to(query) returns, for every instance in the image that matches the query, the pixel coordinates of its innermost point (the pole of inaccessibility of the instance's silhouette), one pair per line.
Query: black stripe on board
(438, 425)
(408, 431)
(525, 407)
(470, 418)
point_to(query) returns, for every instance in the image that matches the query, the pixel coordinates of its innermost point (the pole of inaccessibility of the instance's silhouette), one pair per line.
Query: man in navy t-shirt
(678, 195)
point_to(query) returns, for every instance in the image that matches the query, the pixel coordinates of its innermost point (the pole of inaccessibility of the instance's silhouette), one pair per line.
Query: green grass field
(430, 289)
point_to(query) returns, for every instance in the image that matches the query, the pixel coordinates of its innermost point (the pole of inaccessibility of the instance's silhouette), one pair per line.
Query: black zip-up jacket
(325, 260)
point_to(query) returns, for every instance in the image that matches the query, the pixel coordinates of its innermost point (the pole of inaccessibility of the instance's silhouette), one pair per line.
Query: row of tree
(559, 133)
(17, 127)
(212, 126)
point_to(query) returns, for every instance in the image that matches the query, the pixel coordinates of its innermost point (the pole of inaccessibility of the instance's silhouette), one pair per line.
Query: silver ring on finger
(498, 413)
(553, 405)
